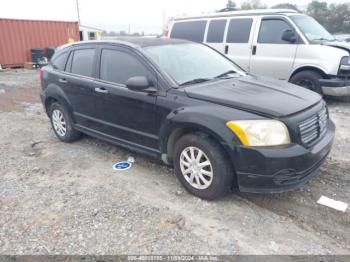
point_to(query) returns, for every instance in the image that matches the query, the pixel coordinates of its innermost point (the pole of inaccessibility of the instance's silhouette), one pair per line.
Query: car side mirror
(289, 36)
(137, 83)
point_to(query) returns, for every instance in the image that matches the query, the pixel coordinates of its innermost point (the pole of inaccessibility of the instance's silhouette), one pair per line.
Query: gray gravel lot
(58, 198)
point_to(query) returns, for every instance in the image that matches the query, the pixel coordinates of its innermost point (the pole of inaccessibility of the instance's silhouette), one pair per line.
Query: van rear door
(239, 37)
(272, 56)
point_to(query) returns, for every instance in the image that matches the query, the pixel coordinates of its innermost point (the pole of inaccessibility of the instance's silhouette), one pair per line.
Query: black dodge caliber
(191, 107)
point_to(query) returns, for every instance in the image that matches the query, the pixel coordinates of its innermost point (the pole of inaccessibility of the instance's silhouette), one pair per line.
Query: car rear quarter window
(216, 31)
(59, 62)
(82, 63)
(192, 30)
(239, 30)
(118, 66)
(271, 31)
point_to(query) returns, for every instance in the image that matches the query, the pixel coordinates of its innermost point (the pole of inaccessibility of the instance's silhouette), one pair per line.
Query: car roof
(136, 42)
(239, 13)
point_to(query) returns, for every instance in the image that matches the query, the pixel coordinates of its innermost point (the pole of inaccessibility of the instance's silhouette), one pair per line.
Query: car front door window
(118, 67)
(271, 31)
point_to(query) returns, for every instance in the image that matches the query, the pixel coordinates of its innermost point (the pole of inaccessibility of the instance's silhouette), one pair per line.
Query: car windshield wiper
(226, 73)
(195, 81)
(323, 39)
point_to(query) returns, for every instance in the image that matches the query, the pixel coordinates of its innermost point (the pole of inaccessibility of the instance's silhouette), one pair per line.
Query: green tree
(252, 4)
(334, 17)
(338, 18)
(286, 6)
(230, 4)
(319, 11)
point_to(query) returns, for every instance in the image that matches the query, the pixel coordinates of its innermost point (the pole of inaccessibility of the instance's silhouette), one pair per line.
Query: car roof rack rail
(237, 13)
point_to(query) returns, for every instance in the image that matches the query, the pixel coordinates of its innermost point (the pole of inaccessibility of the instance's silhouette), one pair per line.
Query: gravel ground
(58, 198)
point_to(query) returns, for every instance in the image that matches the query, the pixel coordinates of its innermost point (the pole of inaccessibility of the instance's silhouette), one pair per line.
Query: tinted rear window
(193, 30)
(239, 30)
(216, 31)
(59, 62)
(82, 63)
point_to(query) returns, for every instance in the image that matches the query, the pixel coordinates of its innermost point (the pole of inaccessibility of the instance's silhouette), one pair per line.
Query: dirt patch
(17, 86)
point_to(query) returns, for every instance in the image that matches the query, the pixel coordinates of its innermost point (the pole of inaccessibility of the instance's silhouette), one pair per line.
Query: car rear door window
(59, 62)
(271, 31)
(216, 31)
(239, 30)
(118, 66)
(82, 63)
(192, 30)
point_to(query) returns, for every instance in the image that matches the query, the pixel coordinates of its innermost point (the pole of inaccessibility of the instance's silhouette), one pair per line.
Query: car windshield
(189, 63)
(313, 31)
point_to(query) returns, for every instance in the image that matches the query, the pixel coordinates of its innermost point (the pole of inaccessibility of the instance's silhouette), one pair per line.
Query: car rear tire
(308, 79)
(62, 124)
(202, 166)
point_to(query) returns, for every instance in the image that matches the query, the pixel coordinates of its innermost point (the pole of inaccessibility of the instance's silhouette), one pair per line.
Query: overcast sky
(141, 15)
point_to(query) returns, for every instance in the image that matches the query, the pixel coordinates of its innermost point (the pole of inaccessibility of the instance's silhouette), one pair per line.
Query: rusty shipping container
(18, 37)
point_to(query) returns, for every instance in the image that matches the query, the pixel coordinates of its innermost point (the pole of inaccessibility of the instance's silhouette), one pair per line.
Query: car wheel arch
(308, 68)
(173, 133)
(56, 94)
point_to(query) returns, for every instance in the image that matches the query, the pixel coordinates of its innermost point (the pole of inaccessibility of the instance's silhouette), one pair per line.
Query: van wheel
(202, 166)
(308, 79)
(62, 124)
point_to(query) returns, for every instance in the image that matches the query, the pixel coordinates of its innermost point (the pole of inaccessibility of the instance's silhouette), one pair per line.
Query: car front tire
(202, 166)
(308, 79)
(62, 124)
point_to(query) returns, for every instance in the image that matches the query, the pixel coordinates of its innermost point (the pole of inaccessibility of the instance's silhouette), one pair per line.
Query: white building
(89, 33)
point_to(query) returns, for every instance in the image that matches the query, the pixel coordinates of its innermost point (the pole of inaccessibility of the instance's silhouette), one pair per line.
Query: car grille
(314, 127)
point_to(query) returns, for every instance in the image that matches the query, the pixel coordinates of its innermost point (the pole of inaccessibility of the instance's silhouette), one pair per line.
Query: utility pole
(77, 2)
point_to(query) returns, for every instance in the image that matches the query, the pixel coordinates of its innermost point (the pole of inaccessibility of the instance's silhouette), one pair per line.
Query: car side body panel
(54, 92)
(311, 55)
(199, 116)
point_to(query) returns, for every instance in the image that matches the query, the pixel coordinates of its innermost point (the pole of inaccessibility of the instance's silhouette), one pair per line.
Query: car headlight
(260, 132)
(345, 63)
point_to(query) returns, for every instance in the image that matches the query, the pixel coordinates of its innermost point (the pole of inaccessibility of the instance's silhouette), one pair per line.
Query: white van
(278, 43)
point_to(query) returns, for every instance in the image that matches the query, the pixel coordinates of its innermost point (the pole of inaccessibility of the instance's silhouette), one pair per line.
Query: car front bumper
(335, 87)
(280, 169)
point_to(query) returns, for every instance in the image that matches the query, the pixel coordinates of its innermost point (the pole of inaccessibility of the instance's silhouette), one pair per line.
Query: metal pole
(77, 2)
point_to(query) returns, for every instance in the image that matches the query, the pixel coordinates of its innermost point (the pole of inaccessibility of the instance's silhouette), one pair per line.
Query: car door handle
(63, 80)
(226, 49)
(254, 50)
(101, 90)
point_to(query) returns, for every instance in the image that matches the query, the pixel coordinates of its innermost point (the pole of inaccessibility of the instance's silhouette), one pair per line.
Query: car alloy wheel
(196, 167)
(59, 123)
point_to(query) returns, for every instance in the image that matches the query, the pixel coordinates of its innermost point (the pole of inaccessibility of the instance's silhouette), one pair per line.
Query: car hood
(342, 45)
(260, 95)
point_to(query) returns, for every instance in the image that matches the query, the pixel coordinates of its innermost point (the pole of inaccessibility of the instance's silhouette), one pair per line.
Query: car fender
(309, 66)
(323, 57)
(199, 118)
(53, 91)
